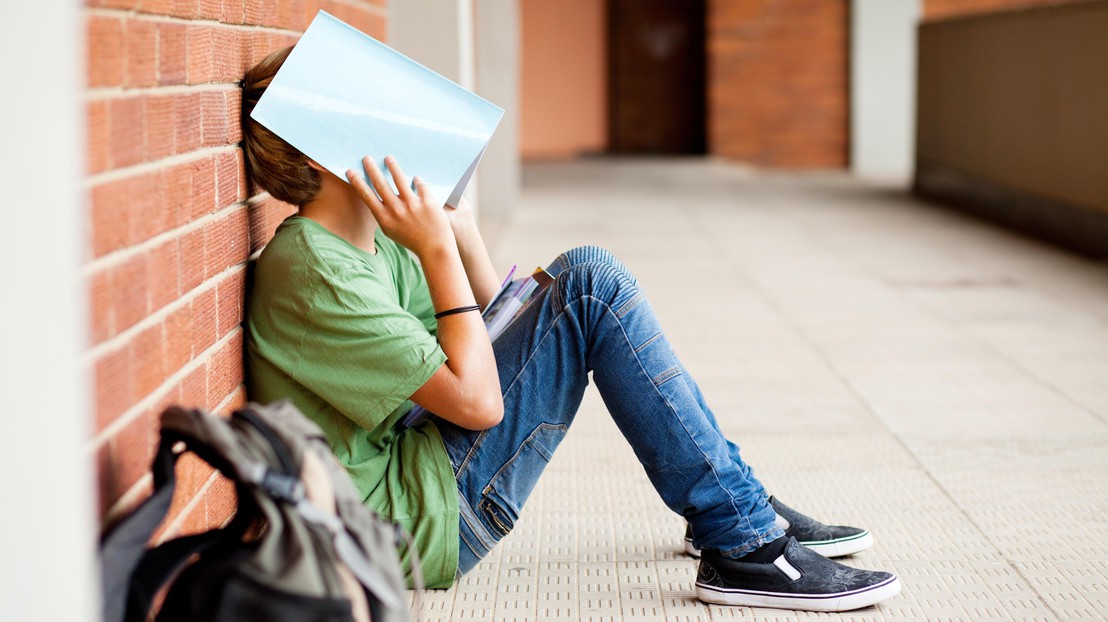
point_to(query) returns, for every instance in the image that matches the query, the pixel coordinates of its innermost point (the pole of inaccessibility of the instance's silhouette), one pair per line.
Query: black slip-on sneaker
(827, 540)
(798, 579)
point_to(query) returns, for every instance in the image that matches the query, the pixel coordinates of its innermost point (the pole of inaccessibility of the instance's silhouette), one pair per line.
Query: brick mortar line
(117, 92)
(98, 351)
(122, 421)
(121, 255)
(376, 9)
(227, 398)
(174, 19)
(133, 495)
(129, 499)
(173, 528)
(135, 13)
(118, 174)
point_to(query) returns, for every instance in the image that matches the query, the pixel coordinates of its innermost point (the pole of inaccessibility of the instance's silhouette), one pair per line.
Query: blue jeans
(595, 318)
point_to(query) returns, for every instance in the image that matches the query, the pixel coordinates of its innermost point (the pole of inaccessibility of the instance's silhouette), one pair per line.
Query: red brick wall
(171, 223)
(938, 9)
(777, 82)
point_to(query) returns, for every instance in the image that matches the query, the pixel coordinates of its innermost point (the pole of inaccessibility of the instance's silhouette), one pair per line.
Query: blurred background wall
(988, 105)
(1013, 118)
(564, 79)
(760, 81)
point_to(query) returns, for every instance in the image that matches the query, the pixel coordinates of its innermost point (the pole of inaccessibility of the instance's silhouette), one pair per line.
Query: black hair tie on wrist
(466, 309)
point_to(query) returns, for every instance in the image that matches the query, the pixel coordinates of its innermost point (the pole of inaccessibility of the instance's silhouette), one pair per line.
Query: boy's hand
(412, 219)
(461, 217)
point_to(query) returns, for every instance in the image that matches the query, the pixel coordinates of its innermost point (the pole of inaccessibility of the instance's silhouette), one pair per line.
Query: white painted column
(883, 87)
(482, 56)
(47, 526)
(498, 67)
(439, 35)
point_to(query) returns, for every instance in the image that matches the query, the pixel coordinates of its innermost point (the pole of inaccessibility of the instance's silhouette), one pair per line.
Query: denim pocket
(510, 487)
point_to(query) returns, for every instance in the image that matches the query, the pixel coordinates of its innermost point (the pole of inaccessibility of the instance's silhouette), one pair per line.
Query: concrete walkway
(883, 362)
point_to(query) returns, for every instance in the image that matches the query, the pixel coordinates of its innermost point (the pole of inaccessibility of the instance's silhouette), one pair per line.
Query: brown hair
(271, 163)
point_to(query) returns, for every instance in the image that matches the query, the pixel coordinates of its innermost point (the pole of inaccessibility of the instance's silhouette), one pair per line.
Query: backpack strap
(123, 546)
(158, 566)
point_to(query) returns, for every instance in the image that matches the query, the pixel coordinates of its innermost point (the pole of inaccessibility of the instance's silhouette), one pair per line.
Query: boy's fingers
(367, 194)
(398, 177)
(424, 191)
(378, 180)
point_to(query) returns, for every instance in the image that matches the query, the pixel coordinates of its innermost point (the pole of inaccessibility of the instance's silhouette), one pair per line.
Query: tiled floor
(883, 362)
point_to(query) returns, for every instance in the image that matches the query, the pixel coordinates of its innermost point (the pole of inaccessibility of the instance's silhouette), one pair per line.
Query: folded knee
(602, 281)
(590, 254)
(594, 255)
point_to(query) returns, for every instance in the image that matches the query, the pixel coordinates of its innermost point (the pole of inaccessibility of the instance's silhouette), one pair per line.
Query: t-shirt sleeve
(363, 352)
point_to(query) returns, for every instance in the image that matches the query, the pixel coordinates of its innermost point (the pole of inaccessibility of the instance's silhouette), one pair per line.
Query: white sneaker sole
(827, 548)
(842, 601)
(842, 546)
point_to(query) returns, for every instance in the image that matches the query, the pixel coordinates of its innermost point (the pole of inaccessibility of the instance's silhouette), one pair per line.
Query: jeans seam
(469, 515)
(648, 342)
(711, 466)
(538, 345)
(628, 306)
(470, 453)
(469, 544)
(666, 376)
(544, 425)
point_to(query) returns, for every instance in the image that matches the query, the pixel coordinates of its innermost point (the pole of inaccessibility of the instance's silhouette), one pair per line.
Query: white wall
(883, 87)
(47, 534)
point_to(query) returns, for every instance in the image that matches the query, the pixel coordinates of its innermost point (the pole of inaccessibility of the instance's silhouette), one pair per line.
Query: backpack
(301, 545)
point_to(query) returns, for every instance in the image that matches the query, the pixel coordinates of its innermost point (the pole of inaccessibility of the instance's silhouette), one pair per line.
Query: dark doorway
(656, 76)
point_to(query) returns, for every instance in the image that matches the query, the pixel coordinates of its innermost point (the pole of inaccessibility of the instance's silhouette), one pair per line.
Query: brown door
(656, 88)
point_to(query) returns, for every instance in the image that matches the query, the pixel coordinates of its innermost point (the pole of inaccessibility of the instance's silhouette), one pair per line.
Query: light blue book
(342, 95)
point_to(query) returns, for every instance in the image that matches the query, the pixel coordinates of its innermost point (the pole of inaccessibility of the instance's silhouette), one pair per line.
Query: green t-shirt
(348, 337)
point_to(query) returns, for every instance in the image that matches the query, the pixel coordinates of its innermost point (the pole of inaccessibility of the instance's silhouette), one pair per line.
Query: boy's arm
(465, 390)
(475, 256)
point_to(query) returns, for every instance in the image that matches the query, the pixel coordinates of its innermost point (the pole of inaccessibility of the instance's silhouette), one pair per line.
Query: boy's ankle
(764, 554)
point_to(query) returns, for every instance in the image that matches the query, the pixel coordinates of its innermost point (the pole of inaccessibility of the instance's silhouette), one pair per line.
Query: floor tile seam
(801, 334)
(923, 467)
(1015, 363)
(833, 249)
(935, 314)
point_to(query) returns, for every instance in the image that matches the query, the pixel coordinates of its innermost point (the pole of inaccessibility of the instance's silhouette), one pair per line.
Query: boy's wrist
(436, 251)
(463, 226)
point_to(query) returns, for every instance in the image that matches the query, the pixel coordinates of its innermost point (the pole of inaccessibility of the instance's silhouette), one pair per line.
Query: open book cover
(342, 95)
(510, 302)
